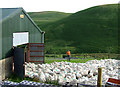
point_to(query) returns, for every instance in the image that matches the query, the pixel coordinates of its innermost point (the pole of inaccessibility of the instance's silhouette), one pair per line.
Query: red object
(68, 52)
(115, 81)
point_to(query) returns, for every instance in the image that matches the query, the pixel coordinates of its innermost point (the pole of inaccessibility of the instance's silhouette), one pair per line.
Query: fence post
(95, 56)
(54, 55)
(99, 81)
(108, 55)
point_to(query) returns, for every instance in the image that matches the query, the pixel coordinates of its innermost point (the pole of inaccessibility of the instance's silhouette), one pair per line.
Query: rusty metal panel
(35, 52)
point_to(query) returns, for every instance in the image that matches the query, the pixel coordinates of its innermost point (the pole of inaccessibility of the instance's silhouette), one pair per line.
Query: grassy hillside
(47, 16)
(91, 30)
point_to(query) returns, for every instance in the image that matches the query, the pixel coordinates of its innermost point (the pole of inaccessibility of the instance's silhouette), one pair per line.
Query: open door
(19, 61)
(19, 38)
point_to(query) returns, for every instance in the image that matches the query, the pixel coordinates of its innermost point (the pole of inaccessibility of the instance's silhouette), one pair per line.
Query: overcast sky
(69, 6)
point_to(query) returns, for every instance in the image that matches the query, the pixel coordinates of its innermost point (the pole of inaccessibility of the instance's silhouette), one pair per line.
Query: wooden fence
(93, 55)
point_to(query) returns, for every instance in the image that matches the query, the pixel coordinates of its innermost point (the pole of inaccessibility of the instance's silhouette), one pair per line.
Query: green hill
(91, 30)
(47, 16)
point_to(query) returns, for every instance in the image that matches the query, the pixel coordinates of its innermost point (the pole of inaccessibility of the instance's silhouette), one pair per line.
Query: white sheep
(74, 72)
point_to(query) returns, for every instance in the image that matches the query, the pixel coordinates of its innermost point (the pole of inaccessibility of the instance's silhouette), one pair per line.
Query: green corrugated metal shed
(10, 22)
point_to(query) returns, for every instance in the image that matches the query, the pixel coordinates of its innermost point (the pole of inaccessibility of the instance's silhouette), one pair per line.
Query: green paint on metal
(0, 34)
(12, 23)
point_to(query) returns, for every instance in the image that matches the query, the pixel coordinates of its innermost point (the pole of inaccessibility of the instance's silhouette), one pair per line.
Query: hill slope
(92, 30)
(88, 31)
(47, 16)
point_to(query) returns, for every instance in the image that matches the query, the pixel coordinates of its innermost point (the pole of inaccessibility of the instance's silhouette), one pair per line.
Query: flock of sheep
(73, 73)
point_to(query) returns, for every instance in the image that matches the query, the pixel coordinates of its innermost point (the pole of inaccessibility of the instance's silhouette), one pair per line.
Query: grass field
(82, 58)
(45, 17)
(92, 30)
(72, 60)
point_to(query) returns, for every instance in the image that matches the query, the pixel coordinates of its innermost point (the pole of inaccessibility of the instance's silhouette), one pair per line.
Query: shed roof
(8, 12)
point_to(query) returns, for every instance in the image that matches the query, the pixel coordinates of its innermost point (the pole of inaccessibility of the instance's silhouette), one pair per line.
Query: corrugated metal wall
(16, 24)
(0, 34)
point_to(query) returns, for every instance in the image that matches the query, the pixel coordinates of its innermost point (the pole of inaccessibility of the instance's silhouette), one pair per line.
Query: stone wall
(5, 68)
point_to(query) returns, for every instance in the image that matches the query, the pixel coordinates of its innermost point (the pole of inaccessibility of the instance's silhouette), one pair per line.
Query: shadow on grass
(14, 78)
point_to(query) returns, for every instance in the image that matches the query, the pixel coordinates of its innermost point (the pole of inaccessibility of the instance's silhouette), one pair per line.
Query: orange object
(68, 52)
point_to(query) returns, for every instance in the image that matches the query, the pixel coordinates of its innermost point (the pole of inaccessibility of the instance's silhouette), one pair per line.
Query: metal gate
(35, 52)
(19, 62)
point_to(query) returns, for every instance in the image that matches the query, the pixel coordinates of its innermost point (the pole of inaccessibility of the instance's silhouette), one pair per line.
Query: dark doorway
(19, 60)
